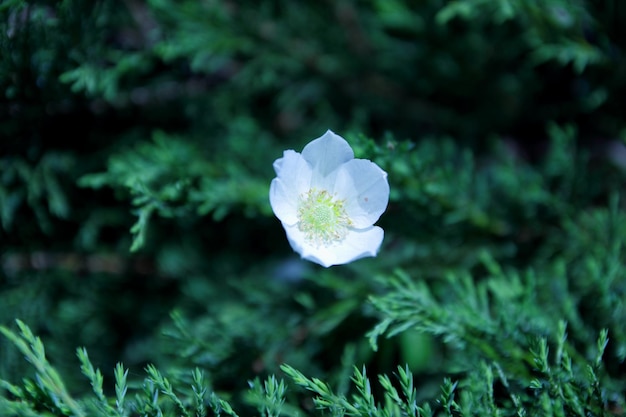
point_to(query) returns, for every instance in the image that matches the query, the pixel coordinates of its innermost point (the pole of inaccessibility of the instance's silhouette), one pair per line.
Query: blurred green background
(136, 148)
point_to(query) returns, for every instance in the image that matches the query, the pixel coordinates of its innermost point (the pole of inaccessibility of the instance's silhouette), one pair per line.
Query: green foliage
(48, 390)
(38, 188)
(559, 389)
(164, 177)
(500, 286)
(496, 321)
(362, 402)
(269, 397)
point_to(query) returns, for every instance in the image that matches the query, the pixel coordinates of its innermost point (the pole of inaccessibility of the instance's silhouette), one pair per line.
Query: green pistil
(322, 219)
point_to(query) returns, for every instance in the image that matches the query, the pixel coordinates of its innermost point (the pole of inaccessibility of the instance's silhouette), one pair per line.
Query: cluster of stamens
(321, 218)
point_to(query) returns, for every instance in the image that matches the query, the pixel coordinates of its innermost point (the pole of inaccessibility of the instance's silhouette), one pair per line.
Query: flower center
(322, 219)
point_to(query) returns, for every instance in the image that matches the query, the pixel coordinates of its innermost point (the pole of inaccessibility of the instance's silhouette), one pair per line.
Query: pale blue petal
(325, 154)
(358, 243)
(293, 179)
(364, 188)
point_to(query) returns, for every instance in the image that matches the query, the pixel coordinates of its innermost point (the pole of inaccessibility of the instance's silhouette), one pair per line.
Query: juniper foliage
(136, 149)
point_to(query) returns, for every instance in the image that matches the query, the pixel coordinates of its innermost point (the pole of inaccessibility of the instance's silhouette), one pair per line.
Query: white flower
(328, 201)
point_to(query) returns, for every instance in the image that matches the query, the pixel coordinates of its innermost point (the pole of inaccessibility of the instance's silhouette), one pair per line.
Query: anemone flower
(328, 201)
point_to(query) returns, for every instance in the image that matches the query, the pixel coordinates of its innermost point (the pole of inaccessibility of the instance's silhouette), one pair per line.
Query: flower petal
(359, 243)
(293, 178)
(364, 188)
(325, 154)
